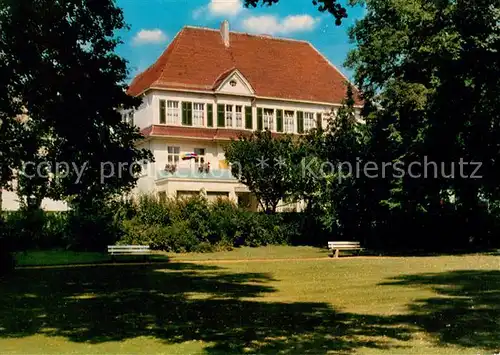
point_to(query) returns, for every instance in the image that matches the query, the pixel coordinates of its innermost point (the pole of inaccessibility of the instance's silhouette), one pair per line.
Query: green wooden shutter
(163, 113)
(210, 115)
(279, 120)
(189, 121)
(260, 122)
(319, 121)
(300, 122)
(248, 117)
(184, 113)
(220, 116)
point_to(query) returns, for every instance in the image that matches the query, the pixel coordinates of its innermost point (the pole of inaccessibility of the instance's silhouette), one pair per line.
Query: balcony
(199, 172)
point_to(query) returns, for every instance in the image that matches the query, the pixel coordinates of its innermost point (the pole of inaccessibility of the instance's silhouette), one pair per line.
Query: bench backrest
(128, 249)
(343, 245)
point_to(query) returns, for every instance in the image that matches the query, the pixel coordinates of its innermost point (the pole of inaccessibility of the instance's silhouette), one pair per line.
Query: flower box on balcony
(171, 168)
(204, 168)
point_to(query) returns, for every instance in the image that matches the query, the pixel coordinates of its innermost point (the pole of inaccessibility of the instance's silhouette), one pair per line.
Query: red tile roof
(277, 68)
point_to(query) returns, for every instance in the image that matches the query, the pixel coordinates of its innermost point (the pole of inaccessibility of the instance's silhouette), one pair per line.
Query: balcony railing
(204, 168)
(171, 168)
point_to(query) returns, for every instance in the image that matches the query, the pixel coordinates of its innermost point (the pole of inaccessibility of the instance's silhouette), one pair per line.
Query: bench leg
(336, 253)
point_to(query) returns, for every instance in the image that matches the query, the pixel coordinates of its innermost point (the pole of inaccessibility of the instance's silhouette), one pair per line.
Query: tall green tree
(60, 70)
(334, 7)
(265, 164)
(429, 72)
(333, 173)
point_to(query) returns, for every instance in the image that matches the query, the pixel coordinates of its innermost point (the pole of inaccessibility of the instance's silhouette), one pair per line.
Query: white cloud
(219, 8)
(153, 36)
(268, 24)
(225, 7)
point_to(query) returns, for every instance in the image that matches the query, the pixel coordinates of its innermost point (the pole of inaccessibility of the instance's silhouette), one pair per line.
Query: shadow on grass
(181, 302)
(466, 310)
(176, 303)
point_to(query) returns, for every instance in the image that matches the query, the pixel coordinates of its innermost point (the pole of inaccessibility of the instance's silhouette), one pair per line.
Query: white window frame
(268, 119)
(173, 112)
(198, 114)
(229, 115)
(173, 154)
(289, 121)
(239, 116)
(201, 158)
(309, 121)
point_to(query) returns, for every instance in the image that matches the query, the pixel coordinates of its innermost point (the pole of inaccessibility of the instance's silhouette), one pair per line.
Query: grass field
(66, 257)
(418, 305)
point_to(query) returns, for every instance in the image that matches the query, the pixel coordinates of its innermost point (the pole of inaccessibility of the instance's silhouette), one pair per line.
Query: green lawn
(65, 257)
(419, 305)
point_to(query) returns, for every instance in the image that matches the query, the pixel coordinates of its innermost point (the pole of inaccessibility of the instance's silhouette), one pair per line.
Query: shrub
(185, 225)
(6, 257)
(92, 228)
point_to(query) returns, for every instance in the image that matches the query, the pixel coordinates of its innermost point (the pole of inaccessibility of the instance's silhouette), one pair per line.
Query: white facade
(10, 202)
(186, 180)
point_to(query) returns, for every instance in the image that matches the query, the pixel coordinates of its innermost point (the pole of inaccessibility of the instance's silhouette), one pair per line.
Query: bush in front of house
(197, 225)
(174, 225)
(6, 257)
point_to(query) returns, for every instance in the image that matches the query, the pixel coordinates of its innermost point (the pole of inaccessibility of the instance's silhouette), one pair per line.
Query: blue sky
(155, 22)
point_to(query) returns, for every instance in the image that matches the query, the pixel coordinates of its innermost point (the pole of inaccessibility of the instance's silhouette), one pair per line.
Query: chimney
(224, 32)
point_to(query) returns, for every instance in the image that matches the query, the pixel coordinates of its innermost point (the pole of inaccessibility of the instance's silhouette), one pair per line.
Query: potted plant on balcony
(171, 168)
(204, 168)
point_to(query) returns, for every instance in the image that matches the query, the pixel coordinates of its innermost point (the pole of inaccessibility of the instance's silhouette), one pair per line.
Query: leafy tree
(431, 67)
(336, 152)
(331, 6)
(264, 163)
(59, 72)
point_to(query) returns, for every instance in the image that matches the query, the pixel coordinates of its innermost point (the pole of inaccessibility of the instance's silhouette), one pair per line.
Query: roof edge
(248, 34)
(338, 70)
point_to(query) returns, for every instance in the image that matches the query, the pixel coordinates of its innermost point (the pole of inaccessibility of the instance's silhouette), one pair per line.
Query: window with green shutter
(190, 114)
(279, 120)
(187, 114)
(319, 121)
(210, 115)
(300, 122)
(248, 117)
(163, 112)
(260, 122)
(220, 115)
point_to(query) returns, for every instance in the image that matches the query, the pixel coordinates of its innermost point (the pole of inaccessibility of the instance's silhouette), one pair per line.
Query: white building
(208, 87)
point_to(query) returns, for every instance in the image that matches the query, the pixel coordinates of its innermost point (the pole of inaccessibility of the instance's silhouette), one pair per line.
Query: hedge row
(178, 225)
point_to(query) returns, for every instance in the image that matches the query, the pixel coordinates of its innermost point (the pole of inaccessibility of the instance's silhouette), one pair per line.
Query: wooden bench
(129, 250)
(335, 247)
